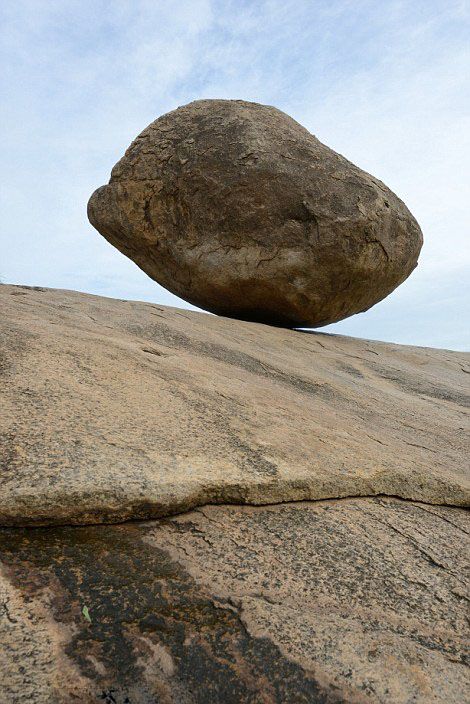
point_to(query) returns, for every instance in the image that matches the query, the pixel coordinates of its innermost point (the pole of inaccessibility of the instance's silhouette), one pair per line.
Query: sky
(386, 83)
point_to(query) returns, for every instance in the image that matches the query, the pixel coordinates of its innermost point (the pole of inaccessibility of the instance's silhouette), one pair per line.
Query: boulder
(238, 209)
(345, 601)
(114, 410)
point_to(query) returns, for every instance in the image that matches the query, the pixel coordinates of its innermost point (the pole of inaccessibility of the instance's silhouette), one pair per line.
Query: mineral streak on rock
(237, 208)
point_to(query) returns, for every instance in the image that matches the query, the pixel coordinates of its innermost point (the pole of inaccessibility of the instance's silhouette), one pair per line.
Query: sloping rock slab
(354, 600)
(113, 410)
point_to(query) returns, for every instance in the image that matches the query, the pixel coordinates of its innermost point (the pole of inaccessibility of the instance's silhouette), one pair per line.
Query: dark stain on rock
(31, 288)
(165, 335)
(421, 387)
(137, 595)
(352, 371)
(207, 407)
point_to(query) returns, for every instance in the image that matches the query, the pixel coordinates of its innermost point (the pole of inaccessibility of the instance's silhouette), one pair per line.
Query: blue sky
(385, 83)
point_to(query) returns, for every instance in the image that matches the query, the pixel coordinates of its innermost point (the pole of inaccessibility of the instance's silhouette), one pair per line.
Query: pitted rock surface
(113, 410)
(238, 209)
(352, 601)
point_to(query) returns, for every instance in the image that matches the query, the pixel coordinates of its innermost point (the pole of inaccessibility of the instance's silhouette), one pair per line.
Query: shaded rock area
(354, 600)
(113, 410)
(238, 209)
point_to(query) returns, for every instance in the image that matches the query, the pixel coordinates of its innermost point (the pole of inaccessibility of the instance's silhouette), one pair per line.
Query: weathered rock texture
(237, 208)
(353, 600)
(112, 410)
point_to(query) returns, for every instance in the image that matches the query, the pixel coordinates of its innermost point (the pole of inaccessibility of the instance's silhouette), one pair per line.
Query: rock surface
(354, 600)
(113, 410)
(237, 208)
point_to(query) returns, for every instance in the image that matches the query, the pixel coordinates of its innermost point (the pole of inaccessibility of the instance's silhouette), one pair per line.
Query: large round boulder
(238, 209)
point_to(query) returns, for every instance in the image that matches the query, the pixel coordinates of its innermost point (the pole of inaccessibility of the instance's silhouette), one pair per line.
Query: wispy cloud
(386, 84)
